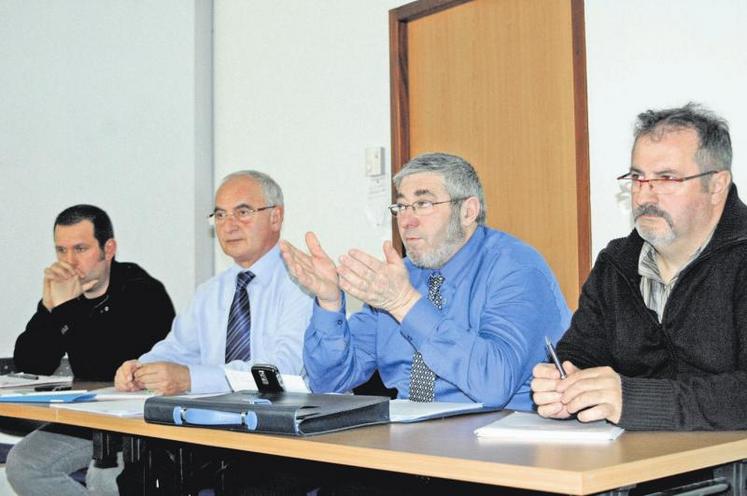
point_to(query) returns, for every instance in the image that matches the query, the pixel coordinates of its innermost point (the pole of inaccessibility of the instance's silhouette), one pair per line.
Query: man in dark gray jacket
(659, 341)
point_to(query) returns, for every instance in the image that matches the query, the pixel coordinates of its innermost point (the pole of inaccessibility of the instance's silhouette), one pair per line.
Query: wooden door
(502, 84)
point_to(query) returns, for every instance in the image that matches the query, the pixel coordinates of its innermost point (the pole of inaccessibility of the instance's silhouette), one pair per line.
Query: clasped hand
(381, 284)
(591, 394)
(62, 284)
(159, 377)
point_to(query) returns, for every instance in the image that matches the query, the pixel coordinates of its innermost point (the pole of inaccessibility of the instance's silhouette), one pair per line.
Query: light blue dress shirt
(500, 299)
(280, 313)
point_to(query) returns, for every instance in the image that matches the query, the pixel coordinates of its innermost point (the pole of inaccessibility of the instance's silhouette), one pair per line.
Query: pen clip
(552, 354)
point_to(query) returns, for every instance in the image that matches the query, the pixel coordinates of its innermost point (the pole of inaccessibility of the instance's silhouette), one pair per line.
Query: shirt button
(339, 322)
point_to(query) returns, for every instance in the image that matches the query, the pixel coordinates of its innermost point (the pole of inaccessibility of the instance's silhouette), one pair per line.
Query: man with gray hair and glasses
(250, 312)
(659, 341)
(462, 318)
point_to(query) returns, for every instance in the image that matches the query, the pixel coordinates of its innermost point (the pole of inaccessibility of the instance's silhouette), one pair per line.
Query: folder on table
(48, 397)
(296, 414)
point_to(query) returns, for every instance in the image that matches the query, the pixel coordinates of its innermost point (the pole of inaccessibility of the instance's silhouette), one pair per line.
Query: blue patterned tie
(422, 378)
(239, 321)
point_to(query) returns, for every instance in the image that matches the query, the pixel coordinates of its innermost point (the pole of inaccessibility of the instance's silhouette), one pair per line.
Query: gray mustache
(651, 209)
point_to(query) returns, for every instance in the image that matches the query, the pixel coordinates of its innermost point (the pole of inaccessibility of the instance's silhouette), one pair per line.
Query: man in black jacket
(659, 341)
(98, 311)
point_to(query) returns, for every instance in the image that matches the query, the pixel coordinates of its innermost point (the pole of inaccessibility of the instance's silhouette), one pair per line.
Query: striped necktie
(239, 321)
(422, 378)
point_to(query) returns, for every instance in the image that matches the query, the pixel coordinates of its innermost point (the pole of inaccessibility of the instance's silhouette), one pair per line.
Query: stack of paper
(119, 408)
(415, 411)
(21, 379)
(111, 393)
(532, 427)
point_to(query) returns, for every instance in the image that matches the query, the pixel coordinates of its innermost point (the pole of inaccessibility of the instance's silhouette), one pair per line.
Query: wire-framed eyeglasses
(241, 214)
(420, 207)
(631, 181)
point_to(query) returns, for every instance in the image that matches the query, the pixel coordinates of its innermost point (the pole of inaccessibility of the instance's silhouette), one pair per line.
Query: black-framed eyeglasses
(241, 214)
(420, 207)
(631, 181)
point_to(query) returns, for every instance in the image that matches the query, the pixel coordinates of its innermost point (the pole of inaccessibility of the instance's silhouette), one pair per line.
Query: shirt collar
(262, 268)
(454, 268)
(649, 268)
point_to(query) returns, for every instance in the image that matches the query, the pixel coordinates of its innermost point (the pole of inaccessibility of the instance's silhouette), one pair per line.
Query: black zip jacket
(690, 371)
(99, 334)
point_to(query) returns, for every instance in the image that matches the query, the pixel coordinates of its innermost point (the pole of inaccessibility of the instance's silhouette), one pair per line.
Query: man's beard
(651, 236)
(438, 256)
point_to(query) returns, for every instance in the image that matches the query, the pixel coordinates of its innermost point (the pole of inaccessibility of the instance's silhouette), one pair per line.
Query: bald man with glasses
(462, 318)
(659, 341)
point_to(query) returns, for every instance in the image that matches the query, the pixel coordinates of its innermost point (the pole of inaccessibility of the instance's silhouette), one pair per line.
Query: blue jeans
(41, 464)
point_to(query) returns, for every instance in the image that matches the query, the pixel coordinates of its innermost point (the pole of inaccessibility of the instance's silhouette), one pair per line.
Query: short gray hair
(270, 189)
(714, 149)
(460, 178)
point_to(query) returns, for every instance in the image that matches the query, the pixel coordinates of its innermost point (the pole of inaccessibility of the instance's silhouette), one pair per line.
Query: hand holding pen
(561, 390)
(545, 383)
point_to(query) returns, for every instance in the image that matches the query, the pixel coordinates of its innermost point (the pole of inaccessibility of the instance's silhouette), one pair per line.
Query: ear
(470, 210)
(276, 218)
(719, 186)
(110, 249)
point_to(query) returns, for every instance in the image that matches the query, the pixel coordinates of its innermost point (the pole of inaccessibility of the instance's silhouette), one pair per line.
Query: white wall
(108, 101)
(104, 102)
(645, 54)
(301, 89)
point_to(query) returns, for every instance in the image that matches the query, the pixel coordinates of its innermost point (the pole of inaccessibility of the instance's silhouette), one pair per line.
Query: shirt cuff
(208, 379)
(420, 323)
(324, 319)
(647, 404)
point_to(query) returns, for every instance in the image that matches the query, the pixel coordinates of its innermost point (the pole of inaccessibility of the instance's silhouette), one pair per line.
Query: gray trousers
(41, 464)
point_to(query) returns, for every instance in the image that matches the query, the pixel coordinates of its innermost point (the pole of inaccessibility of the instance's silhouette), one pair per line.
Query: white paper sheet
(243, 381)
(531, 427)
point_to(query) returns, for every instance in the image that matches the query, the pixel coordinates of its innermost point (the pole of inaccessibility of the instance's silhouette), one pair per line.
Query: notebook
(524, 426)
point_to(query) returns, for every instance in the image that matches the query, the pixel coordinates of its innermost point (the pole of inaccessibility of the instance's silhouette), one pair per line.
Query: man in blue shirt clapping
(462, 318)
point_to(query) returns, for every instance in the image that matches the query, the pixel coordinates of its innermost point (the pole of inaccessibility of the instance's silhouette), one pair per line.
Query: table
(448, 449)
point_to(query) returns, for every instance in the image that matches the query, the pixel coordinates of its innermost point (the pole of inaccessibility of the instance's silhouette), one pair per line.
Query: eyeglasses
(631, 181)
(241, 214)
(420, 207)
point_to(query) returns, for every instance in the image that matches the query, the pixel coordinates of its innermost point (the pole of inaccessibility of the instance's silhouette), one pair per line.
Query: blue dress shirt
(500, 299)
(280, 313)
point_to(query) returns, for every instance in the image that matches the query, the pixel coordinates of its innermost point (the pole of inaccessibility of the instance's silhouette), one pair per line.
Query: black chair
(374, 386)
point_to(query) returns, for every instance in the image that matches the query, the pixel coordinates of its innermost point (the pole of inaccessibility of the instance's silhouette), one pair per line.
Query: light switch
(374, 161)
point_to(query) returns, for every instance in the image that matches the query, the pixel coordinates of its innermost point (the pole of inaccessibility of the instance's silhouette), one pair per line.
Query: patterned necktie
(422, 379)
(239, 321)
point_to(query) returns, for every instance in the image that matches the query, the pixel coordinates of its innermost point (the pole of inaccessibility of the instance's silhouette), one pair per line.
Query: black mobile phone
(267, 377)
